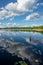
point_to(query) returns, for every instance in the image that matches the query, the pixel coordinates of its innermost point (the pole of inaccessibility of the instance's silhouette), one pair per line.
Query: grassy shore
(28, 29)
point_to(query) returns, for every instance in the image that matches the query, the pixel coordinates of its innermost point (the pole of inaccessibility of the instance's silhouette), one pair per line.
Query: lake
(21, 46)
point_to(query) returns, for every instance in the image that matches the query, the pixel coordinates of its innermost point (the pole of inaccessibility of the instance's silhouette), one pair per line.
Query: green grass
(25, 29)
(20, 63)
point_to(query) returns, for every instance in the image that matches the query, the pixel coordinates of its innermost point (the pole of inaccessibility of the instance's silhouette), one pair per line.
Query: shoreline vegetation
(27, 29)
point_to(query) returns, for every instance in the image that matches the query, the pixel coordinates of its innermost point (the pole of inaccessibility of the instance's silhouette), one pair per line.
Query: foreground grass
(21, 63)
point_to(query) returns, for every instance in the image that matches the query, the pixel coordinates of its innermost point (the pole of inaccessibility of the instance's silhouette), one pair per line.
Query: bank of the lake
(28, 29)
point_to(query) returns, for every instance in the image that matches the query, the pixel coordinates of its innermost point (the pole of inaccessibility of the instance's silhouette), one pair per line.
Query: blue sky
(21, 13)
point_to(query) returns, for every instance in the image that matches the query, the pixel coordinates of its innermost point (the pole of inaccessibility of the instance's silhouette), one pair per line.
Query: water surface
(26, 45)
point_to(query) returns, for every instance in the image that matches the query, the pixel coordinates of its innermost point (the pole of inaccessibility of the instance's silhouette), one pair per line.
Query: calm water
(27, 45)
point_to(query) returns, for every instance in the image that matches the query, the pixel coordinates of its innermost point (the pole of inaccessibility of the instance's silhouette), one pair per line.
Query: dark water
(29, 45)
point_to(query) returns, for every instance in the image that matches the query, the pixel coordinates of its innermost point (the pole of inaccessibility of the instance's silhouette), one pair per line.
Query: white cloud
(16, 9)
(3, 13)
(32, 16)
(11, 6)
(9, 24)
(41, 4)
(25, 5)
(12, 18)
(36, 25)
(38, 4)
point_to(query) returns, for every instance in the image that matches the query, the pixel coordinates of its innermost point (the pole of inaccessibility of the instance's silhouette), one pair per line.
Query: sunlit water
(27, 45)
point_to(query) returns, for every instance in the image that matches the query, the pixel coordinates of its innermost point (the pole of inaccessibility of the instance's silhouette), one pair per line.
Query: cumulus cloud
(9, 24)
(32, 16)
(25, 5)
(16, 9)
(36, 25)
(39, 4)
(3, 13)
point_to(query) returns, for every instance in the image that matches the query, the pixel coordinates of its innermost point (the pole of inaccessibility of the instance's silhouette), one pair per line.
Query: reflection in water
(26, 45)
